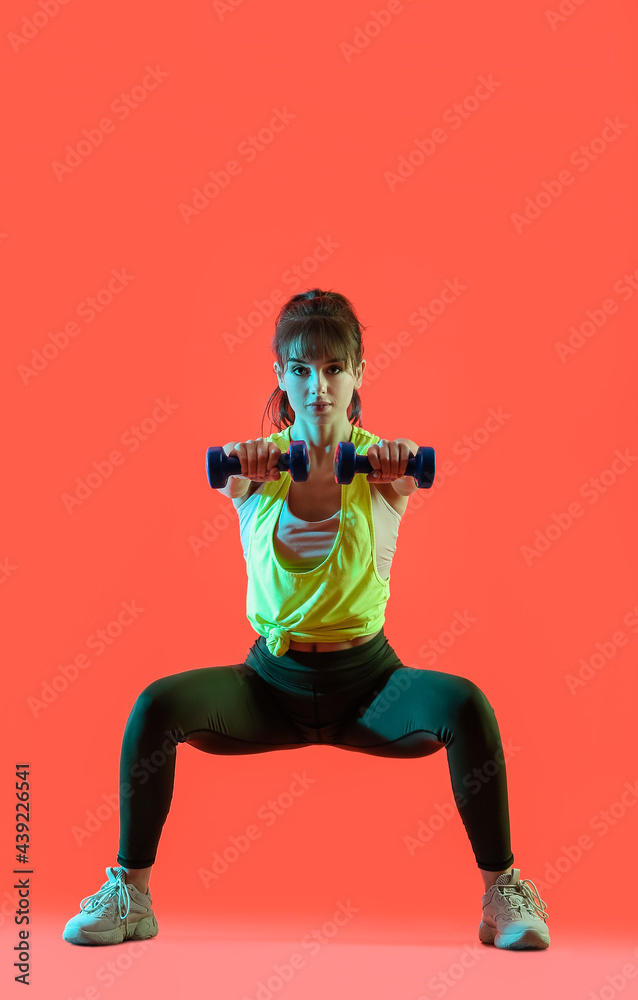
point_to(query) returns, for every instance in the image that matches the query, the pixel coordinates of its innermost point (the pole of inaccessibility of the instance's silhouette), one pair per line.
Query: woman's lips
(319, 406)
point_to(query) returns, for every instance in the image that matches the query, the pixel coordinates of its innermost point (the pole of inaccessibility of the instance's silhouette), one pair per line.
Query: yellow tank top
(343, 597)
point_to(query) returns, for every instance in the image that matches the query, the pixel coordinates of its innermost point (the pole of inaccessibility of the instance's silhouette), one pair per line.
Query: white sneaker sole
(529, 937)
(140, 929)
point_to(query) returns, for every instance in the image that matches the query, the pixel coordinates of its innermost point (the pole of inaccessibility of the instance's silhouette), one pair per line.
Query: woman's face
(324, 380)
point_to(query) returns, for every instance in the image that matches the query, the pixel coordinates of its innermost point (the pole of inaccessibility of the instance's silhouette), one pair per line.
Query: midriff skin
(318, 504)
(327, 647)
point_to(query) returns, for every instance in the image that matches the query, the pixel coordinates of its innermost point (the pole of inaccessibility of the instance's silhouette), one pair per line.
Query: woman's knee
(154, 701)
(470, 699)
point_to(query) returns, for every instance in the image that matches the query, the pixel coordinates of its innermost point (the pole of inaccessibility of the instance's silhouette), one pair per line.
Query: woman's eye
(304, 370)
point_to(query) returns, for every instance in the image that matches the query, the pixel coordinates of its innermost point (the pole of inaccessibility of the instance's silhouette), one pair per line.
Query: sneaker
(117, 912)
(512, 917)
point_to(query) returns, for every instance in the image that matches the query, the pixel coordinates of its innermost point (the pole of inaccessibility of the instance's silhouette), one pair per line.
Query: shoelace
(107, 895)
(526, 895)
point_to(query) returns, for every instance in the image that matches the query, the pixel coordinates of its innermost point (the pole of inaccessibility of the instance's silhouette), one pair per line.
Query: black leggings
(362, 698)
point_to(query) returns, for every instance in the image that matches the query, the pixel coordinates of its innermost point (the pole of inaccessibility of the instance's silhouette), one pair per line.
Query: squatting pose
(318, 557)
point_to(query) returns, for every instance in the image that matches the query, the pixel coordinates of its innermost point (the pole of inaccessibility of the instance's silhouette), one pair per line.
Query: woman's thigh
(411, 713)
(226, 709)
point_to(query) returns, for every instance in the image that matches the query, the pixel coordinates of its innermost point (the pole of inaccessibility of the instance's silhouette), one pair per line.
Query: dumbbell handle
(233, 465)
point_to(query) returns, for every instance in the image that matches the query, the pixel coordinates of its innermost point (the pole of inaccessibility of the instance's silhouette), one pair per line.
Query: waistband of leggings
(337, 666)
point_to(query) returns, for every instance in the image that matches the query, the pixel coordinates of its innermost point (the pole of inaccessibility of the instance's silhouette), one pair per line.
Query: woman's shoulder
(363, 438)
(283, 434)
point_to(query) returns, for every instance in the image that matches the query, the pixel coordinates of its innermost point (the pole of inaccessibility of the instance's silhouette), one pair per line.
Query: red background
(458, 215)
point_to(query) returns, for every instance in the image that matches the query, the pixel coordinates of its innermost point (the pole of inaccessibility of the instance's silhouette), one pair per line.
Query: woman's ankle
(489, 878)
(139, 877)
(139, 885)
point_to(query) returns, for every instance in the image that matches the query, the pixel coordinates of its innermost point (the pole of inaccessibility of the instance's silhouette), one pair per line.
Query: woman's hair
(315, 324)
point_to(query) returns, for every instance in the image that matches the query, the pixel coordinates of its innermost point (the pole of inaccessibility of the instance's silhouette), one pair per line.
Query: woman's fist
(388, 460)
(258, 459)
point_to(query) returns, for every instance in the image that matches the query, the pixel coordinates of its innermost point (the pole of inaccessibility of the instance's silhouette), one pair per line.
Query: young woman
(321, 671)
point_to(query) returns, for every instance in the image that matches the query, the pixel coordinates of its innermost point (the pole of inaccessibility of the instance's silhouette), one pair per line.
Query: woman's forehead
(305, 361)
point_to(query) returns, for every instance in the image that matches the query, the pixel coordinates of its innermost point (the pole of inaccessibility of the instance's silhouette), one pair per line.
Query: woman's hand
(258, 459)
(388, 460)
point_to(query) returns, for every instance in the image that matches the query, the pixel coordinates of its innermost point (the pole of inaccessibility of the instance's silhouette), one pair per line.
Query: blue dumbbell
(347, 464)
(219, 465)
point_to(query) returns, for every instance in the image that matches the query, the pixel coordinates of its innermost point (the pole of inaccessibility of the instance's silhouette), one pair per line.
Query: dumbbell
(219, 465)
(347, 464)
